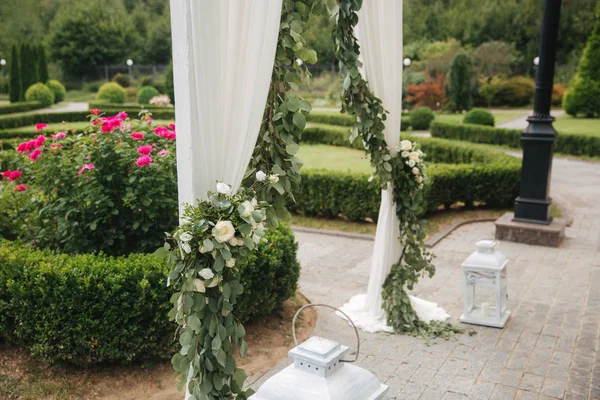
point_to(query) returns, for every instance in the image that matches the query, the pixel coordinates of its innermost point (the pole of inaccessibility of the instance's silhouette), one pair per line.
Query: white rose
(273, 178)
(185, 237)
(420, 186)
(223, 188)
(420, 152)
(411, 163)
(261, 176)
(230, 263)
(199, 285)
(203, 250)
(405, 154)
(248, 208)
(416, 171)
(186, 247)
(419, 179)
(371, 178)
(414, 156)
(223, 231)
(254, 202)
(206, 273)
(405, 145)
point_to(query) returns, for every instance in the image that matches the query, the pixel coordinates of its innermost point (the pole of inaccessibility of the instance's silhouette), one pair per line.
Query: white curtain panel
(379, 32)
(223, 55)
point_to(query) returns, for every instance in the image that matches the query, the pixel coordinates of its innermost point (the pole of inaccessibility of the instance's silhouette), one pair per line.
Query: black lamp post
(533, 203)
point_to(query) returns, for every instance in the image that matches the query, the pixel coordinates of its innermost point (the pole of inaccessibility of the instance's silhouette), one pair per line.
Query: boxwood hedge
(572, 144)
(459, 172)
(338, 119)
(91, 308)
(20, 107)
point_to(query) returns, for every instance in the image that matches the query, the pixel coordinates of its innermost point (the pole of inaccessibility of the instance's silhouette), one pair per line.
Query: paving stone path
(549, 348)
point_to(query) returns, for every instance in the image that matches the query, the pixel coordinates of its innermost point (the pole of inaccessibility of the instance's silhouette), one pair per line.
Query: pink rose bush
(99, 191)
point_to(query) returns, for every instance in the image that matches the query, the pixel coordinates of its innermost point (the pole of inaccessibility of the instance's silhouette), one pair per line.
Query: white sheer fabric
(380, 37)
(223, 55)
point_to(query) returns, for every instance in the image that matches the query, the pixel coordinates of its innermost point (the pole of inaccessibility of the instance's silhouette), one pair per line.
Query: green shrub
(572, 144)
(28, 68)
(90, 309)
(20, 107)
(147, 80)
(421, 118)
(112, 92)
(122, 80)
(93, 87)
(583, 96)
(58, 89)
(479, 116)
(42, 64)
(517, 91)
(461, 82)
(169, 86)
(15, 92)
(331, 118)
(145, 94)
(41, 93)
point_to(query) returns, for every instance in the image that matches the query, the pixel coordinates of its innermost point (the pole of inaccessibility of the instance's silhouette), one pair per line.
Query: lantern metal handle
(333, 308)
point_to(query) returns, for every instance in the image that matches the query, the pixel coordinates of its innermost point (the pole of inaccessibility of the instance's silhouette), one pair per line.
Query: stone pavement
(549, 348)
(521, 123)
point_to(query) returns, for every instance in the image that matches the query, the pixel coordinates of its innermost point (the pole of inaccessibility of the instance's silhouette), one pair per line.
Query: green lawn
(500, 117)
(586, 126)
(334, 158)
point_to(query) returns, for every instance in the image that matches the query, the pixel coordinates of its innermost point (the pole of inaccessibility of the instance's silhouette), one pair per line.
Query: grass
(584, 126)
(334, 158)
(80, 95)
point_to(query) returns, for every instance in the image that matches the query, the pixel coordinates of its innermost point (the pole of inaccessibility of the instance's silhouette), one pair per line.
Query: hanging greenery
(217, 234)
(404, 172)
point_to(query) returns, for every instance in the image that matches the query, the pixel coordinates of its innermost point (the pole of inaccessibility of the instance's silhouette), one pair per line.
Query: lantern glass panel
(481, 294)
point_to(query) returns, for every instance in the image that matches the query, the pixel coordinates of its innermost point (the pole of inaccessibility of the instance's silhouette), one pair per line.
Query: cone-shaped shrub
(15, 76)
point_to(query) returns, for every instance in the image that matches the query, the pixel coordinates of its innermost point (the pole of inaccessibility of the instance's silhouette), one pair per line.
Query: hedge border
(566, 143)
(21, 106)
(339, 119)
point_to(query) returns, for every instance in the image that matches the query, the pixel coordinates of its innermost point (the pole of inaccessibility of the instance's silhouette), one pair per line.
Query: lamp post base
(512, 230)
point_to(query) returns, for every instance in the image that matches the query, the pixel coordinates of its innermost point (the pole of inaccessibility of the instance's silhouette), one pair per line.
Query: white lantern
(485, 286)
(320, 373)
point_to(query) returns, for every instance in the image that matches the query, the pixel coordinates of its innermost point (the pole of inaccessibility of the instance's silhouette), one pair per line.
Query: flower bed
(89, 309)
(572, 144)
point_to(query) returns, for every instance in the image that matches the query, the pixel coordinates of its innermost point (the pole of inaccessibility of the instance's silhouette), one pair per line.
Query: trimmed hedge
(460, 172)
(103, 105)
(112, 92)
(90, 309)
(479, 116)
(146, 93)
(40, 92)
(339, 119)
(21, 106)
(573, 144)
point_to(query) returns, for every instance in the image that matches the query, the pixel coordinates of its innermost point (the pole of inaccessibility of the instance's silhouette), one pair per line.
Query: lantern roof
(486, 257)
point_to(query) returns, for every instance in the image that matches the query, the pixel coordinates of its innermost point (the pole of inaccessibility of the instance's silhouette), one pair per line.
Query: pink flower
(39, 127)
(137, 136)
(59, 135)
(149, 119)
(84, 167)
(40, 140)
(163, 152)
(56, 146)
(14, 176)
(95, 111)
(172, 127)
(145, 150)
(26, 147)
(144, 161)
(160, 130)
(20, 188)
(35, 155)
(122, 115)
(6, 174)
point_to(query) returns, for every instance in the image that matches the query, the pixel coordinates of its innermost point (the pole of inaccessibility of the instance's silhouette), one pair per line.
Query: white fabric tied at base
(379, 32)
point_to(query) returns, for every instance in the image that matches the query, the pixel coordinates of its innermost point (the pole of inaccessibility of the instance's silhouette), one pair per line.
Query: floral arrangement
(161, 101)
(204, 255)
(111, 188)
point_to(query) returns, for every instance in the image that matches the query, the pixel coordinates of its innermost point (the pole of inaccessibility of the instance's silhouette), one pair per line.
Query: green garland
(407, 177)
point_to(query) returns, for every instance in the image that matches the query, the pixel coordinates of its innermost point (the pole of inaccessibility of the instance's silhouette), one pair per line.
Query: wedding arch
(224, 52)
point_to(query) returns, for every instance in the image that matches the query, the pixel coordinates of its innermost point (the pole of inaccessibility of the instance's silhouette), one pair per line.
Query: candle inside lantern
(485, 309)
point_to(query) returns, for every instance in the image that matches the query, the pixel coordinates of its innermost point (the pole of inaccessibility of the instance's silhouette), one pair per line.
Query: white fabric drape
(379, 32)
(223, 55)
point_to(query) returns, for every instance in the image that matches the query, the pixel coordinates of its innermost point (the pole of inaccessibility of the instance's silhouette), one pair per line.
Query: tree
(461, 82)
(431, 93)
(28, 68)
(489, 87)
(496, 57)
(84, 36)
(42, 64)
(15, 76)
(583, 95)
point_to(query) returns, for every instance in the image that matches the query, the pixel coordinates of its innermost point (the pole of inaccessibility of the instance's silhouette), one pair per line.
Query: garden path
(521, 123)
(549, 348)
(61, 107)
